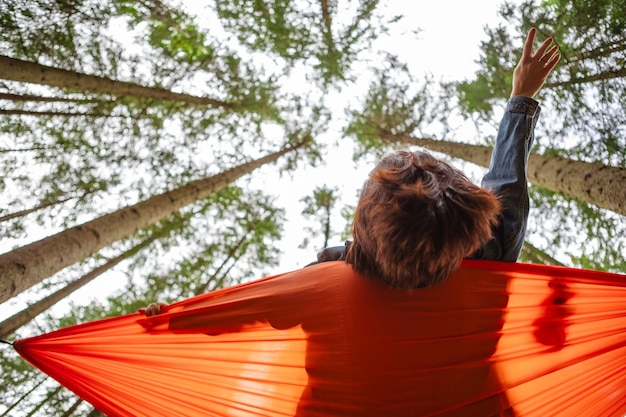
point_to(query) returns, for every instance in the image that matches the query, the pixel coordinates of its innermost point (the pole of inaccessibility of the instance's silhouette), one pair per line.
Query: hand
(533, 69)
(153, 309)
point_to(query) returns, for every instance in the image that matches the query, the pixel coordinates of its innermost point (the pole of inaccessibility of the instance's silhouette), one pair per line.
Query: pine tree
(398, 112)
(319, 207)
(305, 31)
(26, 266)
(585, 93)
(32, 72)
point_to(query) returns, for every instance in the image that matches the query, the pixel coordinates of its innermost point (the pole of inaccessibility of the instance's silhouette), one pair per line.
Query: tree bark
(24, 267)
(32, 72)
(593, 183)
(10, 325)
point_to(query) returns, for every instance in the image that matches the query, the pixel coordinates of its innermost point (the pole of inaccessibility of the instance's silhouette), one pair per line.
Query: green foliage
(304, 31)
(558, 225)
(55, 32)
(237, 231)
(68, 156)
(586, 92)
(583, 113)
(279, 29)
(396, 107)
(318, 208)
(115, 151)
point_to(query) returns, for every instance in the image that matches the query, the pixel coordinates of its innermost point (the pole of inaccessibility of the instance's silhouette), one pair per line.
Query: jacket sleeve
(507, 178)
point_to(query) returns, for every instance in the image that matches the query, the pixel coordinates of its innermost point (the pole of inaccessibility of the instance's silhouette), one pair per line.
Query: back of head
(417, 218)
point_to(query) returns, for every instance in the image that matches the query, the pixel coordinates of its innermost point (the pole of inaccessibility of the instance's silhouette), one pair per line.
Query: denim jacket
(506, 178)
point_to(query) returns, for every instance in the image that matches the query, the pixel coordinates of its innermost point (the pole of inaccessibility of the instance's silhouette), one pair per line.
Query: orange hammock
(495, 339)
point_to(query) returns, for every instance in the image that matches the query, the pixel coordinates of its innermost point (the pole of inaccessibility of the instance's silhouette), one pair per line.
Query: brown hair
(417, 218)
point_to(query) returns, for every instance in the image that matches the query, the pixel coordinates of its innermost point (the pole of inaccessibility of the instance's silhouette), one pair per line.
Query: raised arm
(509, 160)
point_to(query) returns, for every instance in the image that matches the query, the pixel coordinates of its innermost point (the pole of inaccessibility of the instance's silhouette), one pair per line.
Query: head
(416, 219)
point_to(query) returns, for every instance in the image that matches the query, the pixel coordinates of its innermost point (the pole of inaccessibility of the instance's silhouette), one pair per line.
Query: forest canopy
(156, 150)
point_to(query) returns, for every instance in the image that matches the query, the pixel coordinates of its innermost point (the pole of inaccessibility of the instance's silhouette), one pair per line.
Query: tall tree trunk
(326, 227)
(73, 408)
(40, 206)
(327, 31)
(24, 267)
(599, 52)
(31, 97)
(593, 183)
(535, 255)
(606, 75)
(45, 400)
(49, 113)
(231, 254)
(23, 397)
(32, 72)
(10, 325)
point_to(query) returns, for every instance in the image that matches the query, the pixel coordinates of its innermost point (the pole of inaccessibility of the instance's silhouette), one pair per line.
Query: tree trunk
(607, 75)
(45, 400)
(600, 52)
(327, 31)
(26, 212)
(23, 397)
(31, 97)
(31, 72)
(49, 113)
(593, 183)
(73, 408)
(10, 325)
(535, 255)
(24, 267)
(231, 254)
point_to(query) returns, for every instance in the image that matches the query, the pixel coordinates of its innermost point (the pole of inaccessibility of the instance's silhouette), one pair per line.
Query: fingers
(553, 61)
(549, 58)
(548, 55)
(152, 309)
(528, 46)
(533, 68)
(541, 51)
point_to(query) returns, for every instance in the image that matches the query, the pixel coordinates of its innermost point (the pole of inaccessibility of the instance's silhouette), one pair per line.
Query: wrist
(523, 104)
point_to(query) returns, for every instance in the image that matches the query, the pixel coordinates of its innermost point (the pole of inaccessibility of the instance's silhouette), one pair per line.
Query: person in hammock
(417, 217)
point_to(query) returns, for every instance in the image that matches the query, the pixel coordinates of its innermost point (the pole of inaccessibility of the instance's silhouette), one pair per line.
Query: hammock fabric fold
(495, 339)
